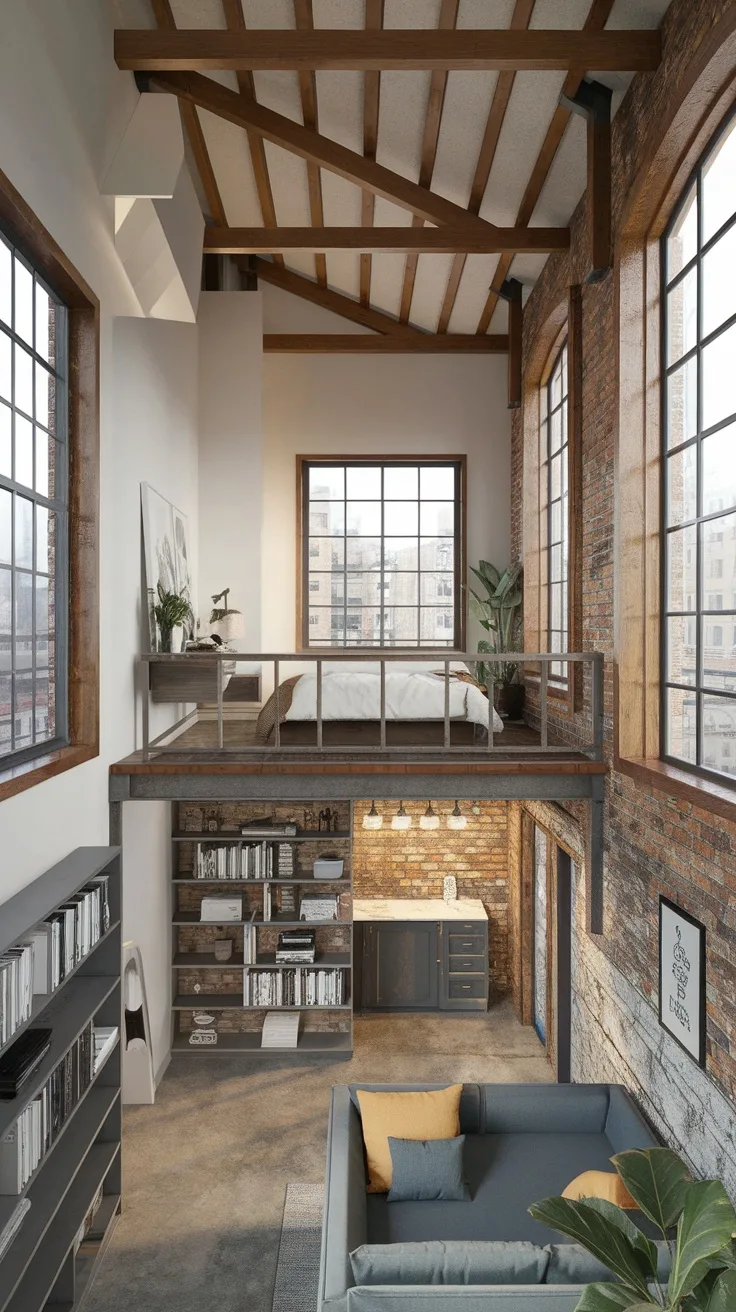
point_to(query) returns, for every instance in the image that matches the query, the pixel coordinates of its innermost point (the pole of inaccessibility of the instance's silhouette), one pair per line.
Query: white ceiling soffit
(403, 107)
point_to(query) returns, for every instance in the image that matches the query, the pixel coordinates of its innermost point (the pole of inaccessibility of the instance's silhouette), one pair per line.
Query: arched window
(554, 504)
(699, 462)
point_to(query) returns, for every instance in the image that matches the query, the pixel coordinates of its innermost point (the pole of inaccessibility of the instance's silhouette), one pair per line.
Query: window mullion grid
(344, 556)
(698, 479)
(382, 594)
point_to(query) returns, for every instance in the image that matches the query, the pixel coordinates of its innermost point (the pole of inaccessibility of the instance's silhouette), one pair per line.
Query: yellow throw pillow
(431, 1114)
(607, 1185)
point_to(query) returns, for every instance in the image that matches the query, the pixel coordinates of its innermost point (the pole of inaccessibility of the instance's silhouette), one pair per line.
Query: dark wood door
(400, 967)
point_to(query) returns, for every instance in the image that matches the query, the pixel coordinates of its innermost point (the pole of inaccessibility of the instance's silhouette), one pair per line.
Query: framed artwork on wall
(682, 978)
(166, 552)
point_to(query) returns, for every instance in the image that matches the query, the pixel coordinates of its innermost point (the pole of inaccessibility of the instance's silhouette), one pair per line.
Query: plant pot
(165, 638)
(510, 699)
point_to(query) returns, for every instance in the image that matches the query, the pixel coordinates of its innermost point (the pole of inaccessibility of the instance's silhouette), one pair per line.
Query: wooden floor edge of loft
(134, 764)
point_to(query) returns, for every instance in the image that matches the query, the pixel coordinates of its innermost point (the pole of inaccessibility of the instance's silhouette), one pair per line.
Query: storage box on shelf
(60, 1134)
(271, 880)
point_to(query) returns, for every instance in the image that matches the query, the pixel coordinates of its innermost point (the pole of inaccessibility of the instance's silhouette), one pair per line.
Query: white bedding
(414, 691)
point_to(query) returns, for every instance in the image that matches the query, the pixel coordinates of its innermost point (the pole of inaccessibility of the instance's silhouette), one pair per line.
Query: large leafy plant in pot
(498, 610)
(703, 1253)
(172, 611)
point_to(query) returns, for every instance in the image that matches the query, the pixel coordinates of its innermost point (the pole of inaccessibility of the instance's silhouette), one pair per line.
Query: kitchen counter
(404, 908)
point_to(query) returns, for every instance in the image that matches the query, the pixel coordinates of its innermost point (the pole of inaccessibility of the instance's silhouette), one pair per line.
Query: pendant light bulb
(401, 820)
(373, 818)
(430, 819)
(456, 819)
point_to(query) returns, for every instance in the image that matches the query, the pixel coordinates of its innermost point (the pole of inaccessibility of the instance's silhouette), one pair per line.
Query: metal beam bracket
(510, 290)
(592, 101)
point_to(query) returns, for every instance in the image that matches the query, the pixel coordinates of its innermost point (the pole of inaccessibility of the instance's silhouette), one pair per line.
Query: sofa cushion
(544, 1108)
(427, 1170)
(571, 1264)
(448, 1262)
(428, 1114)
(470, 1100)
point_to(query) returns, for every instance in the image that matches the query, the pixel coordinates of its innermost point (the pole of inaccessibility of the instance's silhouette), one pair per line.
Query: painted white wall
(147, 911)
(63, 108)
(230, 328)
(374, 405)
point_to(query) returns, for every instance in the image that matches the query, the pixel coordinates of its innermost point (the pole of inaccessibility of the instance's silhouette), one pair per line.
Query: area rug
(297, 1271)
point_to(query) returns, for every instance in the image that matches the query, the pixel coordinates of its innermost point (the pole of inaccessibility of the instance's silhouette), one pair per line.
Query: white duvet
(415, 690)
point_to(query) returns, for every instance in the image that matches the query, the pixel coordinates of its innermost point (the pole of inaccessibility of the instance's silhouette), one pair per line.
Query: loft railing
(201, 677)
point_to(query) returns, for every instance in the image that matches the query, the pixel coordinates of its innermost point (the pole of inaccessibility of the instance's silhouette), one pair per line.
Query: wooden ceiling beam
(415, 48)
(210, 95)
(593, 103)
(371, 105)
(598, 15)
(304, 18)
(414, 241)
(292, 282)
(233, 10)
(368, 344)
(520, 19)
(433, 119)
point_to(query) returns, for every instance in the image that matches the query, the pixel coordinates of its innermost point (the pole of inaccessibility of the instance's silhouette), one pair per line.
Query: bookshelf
(48, 1262)
(323, 1029)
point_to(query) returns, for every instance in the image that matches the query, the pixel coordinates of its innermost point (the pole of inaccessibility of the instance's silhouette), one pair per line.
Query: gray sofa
(523, 1142)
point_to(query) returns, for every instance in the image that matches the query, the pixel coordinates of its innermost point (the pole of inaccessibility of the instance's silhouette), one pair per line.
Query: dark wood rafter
(292, 282)
(343, 48)
(308, 89)
(598, 15)
(165, 21)
(311, 146)
(592, 102)
(233, 11)
(510, 291)
(520, 20)
(371, 108)
(244, 241)
(433, 119)
(415, 343)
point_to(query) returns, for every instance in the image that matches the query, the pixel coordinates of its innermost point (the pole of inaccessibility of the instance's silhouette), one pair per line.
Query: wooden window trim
(699, 105)
(83, 438)
(564, 323)
(302, 605)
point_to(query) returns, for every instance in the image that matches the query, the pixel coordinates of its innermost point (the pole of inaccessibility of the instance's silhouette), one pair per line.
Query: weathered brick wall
(654, 843)
(412, 863)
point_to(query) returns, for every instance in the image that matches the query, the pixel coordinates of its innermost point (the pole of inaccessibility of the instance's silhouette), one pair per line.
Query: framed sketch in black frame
(682, 978)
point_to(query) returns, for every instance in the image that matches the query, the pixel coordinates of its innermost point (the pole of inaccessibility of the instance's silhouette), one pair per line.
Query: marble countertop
(403, 908)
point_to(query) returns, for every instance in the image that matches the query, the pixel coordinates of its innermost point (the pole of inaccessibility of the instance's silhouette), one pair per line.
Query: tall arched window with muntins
(555, 514)
(699, 467)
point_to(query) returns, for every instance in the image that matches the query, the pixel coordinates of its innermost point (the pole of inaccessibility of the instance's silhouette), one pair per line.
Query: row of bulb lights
(402, 820)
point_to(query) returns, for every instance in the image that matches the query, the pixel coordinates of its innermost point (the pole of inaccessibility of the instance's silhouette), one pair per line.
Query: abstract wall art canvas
(166, 551)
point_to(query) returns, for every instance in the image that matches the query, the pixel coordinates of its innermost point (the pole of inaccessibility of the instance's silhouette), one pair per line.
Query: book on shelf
(20, 1060)
(280, 1030)
(296, 947)
(221, 910)
(16, 989)
(257, 861)
(104, 1038)
(293, 987)
(249, 943)
(13, 1225)
(269, 829)
(38, 1125)
(318, 906)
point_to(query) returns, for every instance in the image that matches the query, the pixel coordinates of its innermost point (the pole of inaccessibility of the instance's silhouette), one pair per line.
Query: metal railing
(534, 669)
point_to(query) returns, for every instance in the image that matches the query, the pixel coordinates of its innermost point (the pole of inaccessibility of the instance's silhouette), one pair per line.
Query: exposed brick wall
(654, 843)
(412, 863)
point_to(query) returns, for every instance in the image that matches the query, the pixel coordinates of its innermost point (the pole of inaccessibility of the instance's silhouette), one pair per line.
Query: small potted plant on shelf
(499, 612)
(697, 1222)
(173, 610)
(225, 623)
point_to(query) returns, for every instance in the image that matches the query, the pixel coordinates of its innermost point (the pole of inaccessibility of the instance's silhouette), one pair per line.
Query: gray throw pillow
(425, 1170)
(449, 1262)
(571, 1264)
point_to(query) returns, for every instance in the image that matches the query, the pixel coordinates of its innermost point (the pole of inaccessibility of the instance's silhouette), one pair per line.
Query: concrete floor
(206, 1168)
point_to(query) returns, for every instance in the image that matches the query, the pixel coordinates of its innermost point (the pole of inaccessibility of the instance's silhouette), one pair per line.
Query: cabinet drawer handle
(466, 986)
(467, 945)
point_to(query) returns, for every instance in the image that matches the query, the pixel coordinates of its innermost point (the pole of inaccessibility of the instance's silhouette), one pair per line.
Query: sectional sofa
(523, 1142)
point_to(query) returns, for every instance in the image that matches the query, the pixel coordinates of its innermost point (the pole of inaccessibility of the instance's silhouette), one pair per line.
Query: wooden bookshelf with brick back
(262, 928)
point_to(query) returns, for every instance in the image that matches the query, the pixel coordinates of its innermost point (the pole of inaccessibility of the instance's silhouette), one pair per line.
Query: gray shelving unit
(310, 1043)
(43, 1268)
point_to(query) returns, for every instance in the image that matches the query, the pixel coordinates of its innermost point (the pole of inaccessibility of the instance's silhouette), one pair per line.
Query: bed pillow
(427, 1170)
(450, 1262)
(429, 1114)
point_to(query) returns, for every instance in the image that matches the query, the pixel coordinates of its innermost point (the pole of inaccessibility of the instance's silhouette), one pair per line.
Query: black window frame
(558, 677)
(701, 612)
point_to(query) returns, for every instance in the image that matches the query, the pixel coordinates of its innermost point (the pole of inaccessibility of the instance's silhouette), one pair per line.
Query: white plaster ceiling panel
(230, 155)
(533, 102)
(637, 13)
(464, 116)
(198, 13)
(401, 119)
(279, 90)
(429, 290)
(343, 272)
(388, 215)
(411, 13)
(301, 262)
(269, 13)
(387, 280)
(224, 77)
(472, 293)
(284, 313)
(499, 319)
(288, 174)
(527, 269)
(340, 107)
(338, 13)
(559, 13)
(341, 201)
(566, 180)
(485, 13)
(133, 13)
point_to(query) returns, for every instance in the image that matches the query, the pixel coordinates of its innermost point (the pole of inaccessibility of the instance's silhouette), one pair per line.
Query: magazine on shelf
(280, 1030)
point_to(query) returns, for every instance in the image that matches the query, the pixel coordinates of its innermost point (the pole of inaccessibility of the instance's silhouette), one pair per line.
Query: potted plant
(173, 609)
(498, 611)
(228, 623)
(703, 1253)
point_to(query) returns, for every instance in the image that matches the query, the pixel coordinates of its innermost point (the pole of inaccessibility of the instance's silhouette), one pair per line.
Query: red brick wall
(654, 843)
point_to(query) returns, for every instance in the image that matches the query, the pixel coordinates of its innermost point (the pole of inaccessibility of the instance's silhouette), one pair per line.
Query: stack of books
(16, 989)
(269, 829)
(21, 1060)
(297, 987)
(280, 1030)
(285, 860)
(217, 861)
(296, 946)
(318, 906)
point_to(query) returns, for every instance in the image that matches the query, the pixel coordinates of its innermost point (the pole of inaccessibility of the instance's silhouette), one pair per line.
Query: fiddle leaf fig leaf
(706, 1226)
(610, 1244)
(658, 1180)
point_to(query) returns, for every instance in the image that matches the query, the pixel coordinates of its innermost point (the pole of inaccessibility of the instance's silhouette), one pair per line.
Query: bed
(351, 706)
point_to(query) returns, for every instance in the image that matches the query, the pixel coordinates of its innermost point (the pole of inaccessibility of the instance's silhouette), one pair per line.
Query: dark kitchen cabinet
(419, 965)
